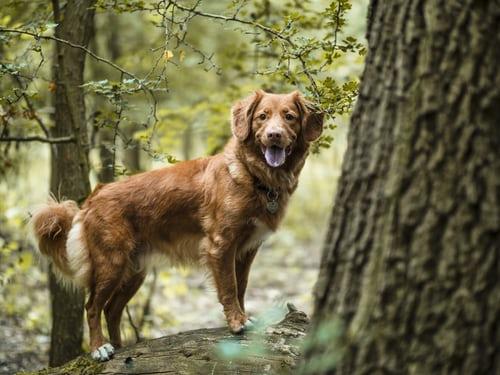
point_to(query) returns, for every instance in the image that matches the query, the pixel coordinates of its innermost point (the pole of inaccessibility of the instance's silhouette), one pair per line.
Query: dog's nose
(274, 135)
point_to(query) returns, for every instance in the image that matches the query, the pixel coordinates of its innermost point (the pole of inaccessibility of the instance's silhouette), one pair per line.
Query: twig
(147, 306)
(139, 81)
(37, 138)
(134, 327)
(259, 26)
(233, 18)
(30, 107)
(309, 76)
(335, 34)
(71, 44)
(86, 50)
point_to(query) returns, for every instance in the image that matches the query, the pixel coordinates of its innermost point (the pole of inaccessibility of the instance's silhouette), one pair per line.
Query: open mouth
(275, 156)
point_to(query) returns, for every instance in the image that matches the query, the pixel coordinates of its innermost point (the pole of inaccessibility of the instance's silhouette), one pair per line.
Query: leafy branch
(142, 84)
(71, 44)
(233, 18)
(281, 35)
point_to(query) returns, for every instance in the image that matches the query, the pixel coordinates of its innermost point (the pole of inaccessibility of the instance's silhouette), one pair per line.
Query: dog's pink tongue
(275, 156)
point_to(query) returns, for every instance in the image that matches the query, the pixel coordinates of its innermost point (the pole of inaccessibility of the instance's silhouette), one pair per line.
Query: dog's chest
(259, 232)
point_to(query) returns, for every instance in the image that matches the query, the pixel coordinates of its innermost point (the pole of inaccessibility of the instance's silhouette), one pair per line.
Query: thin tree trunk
(69, 166)
(411, 262)
(106, 136)
(106, 173)
(132, 153)
(187, 141)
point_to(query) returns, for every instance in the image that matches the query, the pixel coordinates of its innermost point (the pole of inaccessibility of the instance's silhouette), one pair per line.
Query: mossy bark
(199, 352)
(69, 162)
(411, 261)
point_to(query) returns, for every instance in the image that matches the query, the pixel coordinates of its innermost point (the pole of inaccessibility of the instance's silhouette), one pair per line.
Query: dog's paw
(239, 326)
(236, 327)
(103, 353)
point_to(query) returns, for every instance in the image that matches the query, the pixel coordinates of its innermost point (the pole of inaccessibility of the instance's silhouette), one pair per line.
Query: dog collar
(272, 197)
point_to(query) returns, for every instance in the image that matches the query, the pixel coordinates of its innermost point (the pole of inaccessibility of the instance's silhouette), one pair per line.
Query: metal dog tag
(272, 206)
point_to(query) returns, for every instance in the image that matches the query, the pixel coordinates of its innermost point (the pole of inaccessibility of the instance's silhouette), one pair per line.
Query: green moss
(83, 365)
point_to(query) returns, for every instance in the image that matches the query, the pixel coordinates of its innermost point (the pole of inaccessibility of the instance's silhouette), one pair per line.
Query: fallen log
(274, 349)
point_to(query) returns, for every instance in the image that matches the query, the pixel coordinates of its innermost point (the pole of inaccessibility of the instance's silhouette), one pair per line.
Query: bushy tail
(51, 223)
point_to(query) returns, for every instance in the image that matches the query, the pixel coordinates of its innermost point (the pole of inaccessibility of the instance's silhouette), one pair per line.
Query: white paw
(103, 353)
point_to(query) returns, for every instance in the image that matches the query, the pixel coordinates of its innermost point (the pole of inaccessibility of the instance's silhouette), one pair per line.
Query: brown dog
(215, 210)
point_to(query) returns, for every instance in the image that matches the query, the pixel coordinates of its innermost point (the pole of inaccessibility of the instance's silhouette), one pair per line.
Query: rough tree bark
(196, 352)
(411, 261)
(69, 165)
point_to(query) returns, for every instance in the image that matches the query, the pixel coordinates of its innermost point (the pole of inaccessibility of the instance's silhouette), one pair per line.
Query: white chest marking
(260, 233)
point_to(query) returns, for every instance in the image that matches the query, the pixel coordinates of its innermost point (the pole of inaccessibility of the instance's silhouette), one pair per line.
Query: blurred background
(196, 68)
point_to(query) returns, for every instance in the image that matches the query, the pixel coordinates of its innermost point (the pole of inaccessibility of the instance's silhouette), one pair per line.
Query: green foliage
(276, 45)
(113, 91)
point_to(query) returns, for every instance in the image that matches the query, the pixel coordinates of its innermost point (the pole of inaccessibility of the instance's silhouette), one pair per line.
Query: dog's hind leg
(107, 278)
(115, 306)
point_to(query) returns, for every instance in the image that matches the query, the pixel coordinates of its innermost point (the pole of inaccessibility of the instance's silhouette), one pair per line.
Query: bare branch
(309, 76)
(36, 138)
(234, 18)
(146, 309)
(137, 333)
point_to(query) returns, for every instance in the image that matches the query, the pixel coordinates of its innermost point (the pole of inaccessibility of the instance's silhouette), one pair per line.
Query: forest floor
(183, 300)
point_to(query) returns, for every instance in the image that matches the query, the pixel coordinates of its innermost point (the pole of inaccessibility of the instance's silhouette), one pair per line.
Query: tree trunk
(132, 153)
(69, 166)
(106, 173)
(411, 262)
(106, 135)
(276, 351)
(187, 141)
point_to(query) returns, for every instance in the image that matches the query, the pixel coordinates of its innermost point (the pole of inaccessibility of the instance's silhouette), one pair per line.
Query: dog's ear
(312, 117)
(242, 115)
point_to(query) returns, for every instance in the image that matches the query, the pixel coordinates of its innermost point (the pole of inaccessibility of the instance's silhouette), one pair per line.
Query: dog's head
(276, 124)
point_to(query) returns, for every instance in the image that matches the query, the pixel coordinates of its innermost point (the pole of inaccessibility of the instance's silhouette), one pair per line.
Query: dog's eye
(262, 116)
(289, 117)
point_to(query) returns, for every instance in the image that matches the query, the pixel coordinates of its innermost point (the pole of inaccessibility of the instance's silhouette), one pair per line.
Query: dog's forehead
(273, 101)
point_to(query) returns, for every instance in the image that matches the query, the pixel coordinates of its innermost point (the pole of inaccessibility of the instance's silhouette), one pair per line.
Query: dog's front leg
(243, 263)
(221, 261)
